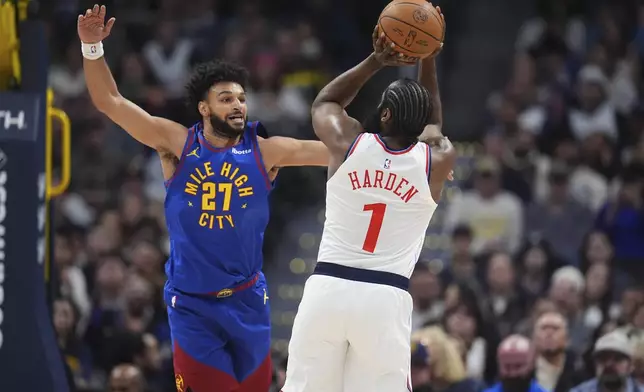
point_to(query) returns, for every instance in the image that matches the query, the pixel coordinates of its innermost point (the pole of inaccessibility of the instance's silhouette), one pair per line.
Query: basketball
(415, 26)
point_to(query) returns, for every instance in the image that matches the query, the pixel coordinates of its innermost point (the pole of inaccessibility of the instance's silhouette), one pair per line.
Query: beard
(610, 381)
(516, 384)
(552, 353)
(222, 128)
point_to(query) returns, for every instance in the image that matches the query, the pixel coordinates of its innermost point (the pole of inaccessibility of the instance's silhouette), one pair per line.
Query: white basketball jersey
(378, 207)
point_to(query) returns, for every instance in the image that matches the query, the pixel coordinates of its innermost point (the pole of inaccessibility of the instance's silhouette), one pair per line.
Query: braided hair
(411, 108)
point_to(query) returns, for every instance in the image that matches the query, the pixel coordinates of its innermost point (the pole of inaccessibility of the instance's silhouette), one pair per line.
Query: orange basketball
(415, 26)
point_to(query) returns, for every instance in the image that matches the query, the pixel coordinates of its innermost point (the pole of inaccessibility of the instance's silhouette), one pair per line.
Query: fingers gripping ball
(415, 26)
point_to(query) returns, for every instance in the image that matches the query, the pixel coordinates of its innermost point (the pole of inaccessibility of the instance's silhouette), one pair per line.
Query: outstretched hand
(385, 51)
(92, 27)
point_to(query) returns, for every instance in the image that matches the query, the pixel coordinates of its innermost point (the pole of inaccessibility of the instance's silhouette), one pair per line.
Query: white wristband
(92, 51)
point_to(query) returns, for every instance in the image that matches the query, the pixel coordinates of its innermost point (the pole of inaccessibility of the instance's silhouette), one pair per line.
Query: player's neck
(217, 139)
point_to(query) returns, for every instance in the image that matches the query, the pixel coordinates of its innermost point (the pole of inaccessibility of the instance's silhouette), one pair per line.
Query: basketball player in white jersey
(353, 328)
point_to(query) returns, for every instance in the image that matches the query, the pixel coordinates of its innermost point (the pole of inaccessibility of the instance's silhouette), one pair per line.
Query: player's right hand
(385, 51)
(92, 27)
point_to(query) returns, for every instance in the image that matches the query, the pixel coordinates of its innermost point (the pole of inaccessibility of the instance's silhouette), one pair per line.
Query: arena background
(542, 95)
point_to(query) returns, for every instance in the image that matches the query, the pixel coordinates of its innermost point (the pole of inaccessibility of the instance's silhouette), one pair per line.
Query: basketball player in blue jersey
(217, 179)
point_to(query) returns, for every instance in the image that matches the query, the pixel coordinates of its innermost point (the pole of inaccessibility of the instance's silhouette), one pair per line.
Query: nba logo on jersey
(387, 164)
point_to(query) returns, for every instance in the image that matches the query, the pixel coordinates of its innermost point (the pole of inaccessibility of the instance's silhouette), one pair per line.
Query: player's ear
(204, 110)
(385, 115)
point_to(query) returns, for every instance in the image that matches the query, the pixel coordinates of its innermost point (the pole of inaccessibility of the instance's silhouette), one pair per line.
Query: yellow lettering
(208, 196)
(225, 169)
(232, 176)
(203, 219)
(208, 168)
(227, 189)
(229, 218)
(191, 189)
(211, 221)
(200, 174)
(243, 192)
(195, 179)
(241, 180)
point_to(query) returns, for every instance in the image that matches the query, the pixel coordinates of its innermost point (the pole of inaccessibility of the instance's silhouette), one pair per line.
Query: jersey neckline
(390, 150)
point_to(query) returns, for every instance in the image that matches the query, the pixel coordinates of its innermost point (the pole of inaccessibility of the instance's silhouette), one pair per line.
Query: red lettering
(409, 194)
(367, 180)
(377, 182)
(389, 185)
(355, 183)
(399, 187)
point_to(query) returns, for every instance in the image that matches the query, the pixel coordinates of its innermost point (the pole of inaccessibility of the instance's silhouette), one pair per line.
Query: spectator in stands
(632, 297)
(566, 290)
(505, 300)
(420, 362)
(559, 218)
(446, 369)
(535, 264)
(495, 216)
(76, 353)
(516, 366)
(463, 266)
(595, 115)
(169, 57)
(463, 326)
(128, 378)
(638, 361)
(623, 222)
(540, 307)
(556, 367)
(598, 297)
(613, 364)
(425, 289)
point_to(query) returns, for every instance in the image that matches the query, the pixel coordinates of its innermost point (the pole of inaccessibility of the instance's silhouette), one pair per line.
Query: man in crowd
(613, 365)
(515, 356)
(555, 365)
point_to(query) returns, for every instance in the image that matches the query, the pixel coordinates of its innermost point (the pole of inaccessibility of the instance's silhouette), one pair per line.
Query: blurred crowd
(547, 238)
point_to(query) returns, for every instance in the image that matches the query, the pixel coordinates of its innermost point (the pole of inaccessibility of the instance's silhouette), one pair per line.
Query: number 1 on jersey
(375, 224)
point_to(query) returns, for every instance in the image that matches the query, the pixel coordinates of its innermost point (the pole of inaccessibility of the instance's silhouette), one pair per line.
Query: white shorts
(350, 336)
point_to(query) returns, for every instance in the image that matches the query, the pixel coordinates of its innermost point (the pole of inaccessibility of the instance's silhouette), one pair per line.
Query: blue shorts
(221, 344)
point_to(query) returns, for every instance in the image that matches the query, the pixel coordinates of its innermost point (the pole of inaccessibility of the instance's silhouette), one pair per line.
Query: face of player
(226, 109)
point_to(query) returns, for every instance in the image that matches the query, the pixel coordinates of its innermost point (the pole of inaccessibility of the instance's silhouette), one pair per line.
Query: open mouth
(236, 119)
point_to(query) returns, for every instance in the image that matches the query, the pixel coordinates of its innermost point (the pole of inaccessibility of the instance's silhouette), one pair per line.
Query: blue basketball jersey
(216, 210)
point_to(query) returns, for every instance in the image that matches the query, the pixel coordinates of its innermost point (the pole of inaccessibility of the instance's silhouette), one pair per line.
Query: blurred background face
(535, 260)
(597, 281)
(598, 248)
(63, 318)
(550, 334)
(487, 183)
(612, 369)
(590, 95)
(461, 325)
(500, 274)
(424, 288)
(564, 294)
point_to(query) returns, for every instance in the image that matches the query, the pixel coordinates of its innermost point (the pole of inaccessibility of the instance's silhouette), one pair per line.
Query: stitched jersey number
(375, 224)
(210, 190)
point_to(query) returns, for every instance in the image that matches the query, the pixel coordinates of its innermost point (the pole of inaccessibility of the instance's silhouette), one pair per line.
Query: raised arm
(155, 132)
(443, 152)
(278, 151)
(331, 122)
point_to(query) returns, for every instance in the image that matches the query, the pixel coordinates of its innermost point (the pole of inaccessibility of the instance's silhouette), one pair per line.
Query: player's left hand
(450, 176)
(386, 53)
